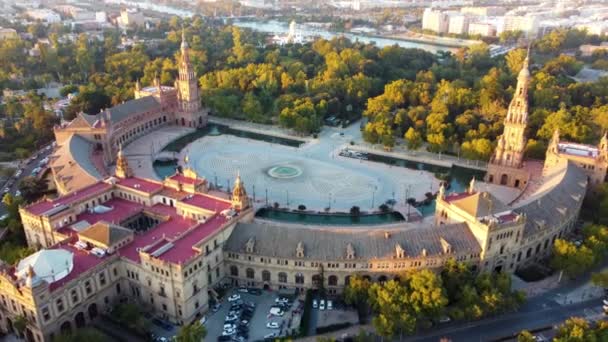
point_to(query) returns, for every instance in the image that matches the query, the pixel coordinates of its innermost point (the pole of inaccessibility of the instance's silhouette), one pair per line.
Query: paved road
(537, 312)
(26, 171)
(510, 324)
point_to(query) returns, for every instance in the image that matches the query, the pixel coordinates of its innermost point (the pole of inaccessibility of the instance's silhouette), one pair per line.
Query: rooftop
(580, 150)
(44, 207)
(140, 184)
(120, 210)
(208, 202)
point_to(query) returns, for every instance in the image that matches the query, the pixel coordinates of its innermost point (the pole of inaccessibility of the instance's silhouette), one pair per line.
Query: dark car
(223, 338)
(254, 291)
(162, 324)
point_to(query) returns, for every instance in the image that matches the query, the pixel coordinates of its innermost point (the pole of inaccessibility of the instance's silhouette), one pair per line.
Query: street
(537, 312)
(26, 171)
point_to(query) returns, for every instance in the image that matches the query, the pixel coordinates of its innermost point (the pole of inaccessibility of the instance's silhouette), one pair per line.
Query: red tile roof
(170, 229)
(456, 196)
(140, 184)
(43, 206)
(121, 210)
(83, 261)
(208, 202)
(183, 250)
(185, 180)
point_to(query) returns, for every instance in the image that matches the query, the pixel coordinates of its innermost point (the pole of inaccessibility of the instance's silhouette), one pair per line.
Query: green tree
(413, 138)
(573, 260)
(32, 188)
(574, 329)
(525, 336)
(356, 293)
(194, 332)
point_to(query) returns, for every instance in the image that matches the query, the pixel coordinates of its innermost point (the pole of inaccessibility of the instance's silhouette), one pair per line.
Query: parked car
(271, 335)
(254, 291)
(272, 325)
(277, 312)
(234, 297)
(223, 338)
(315, 304)
(330, 305)
(162, 324)
(281, 300)
(445, 319)
(231, 318)
(229, 326)
(322, 304)
(242, 289)
(228, 332)
(3, 217)
(216, 307)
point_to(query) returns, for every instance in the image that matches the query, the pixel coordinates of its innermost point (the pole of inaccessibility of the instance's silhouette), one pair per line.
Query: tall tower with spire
(506, 165)
(189, 111)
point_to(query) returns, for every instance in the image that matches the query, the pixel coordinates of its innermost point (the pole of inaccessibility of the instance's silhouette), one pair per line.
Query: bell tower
(189, 109)
(506, 165)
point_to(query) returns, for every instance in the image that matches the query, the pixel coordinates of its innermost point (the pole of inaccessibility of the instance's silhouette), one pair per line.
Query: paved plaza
(313, 174)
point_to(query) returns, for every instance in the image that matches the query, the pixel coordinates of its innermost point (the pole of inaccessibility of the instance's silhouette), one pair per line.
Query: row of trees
(420, 298)
(574, 258)
(459, 106)
(574, 329)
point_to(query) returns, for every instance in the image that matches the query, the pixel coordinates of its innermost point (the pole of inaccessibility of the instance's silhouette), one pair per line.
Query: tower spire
(123, 170)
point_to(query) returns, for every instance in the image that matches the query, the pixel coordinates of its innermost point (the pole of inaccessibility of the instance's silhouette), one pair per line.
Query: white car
(330, 305)
(228, 332)
(234, 297)
(271, 335)
(243, 289)
(322, 304)
(276, 312)
(231, 318)
(229, 326)
(280, 300)
(17, 193)
(3, 217)
(272, 325)
(315, 304)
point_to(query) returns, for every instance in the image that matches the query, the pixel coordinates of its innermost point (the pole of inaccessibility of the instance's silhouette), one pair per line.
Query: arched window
(234, 271)
(332, 280)
(282, 277)
(265, 275)
(250, 273)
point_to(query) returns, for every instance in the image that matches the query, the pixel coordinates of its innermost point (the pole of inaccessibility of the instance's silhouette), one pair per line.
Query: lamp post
(287, 191)
(266, 196)
(253, 185)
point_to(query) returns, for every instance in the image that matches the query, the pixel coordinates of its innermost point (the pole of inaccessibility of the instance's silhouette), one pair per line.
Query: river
(282, 28)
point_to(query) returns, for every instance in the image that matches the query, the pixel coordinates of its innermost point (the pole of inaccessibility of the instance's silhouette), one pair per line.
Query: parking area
(245, 316)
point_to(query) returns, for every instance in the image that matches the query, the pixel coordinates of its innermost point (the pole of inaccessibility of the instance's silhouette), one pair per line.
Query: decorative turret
(123, 170)
(603, 148)
(31, 279)
(239, 194)
(554, 143)
(441, 194)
